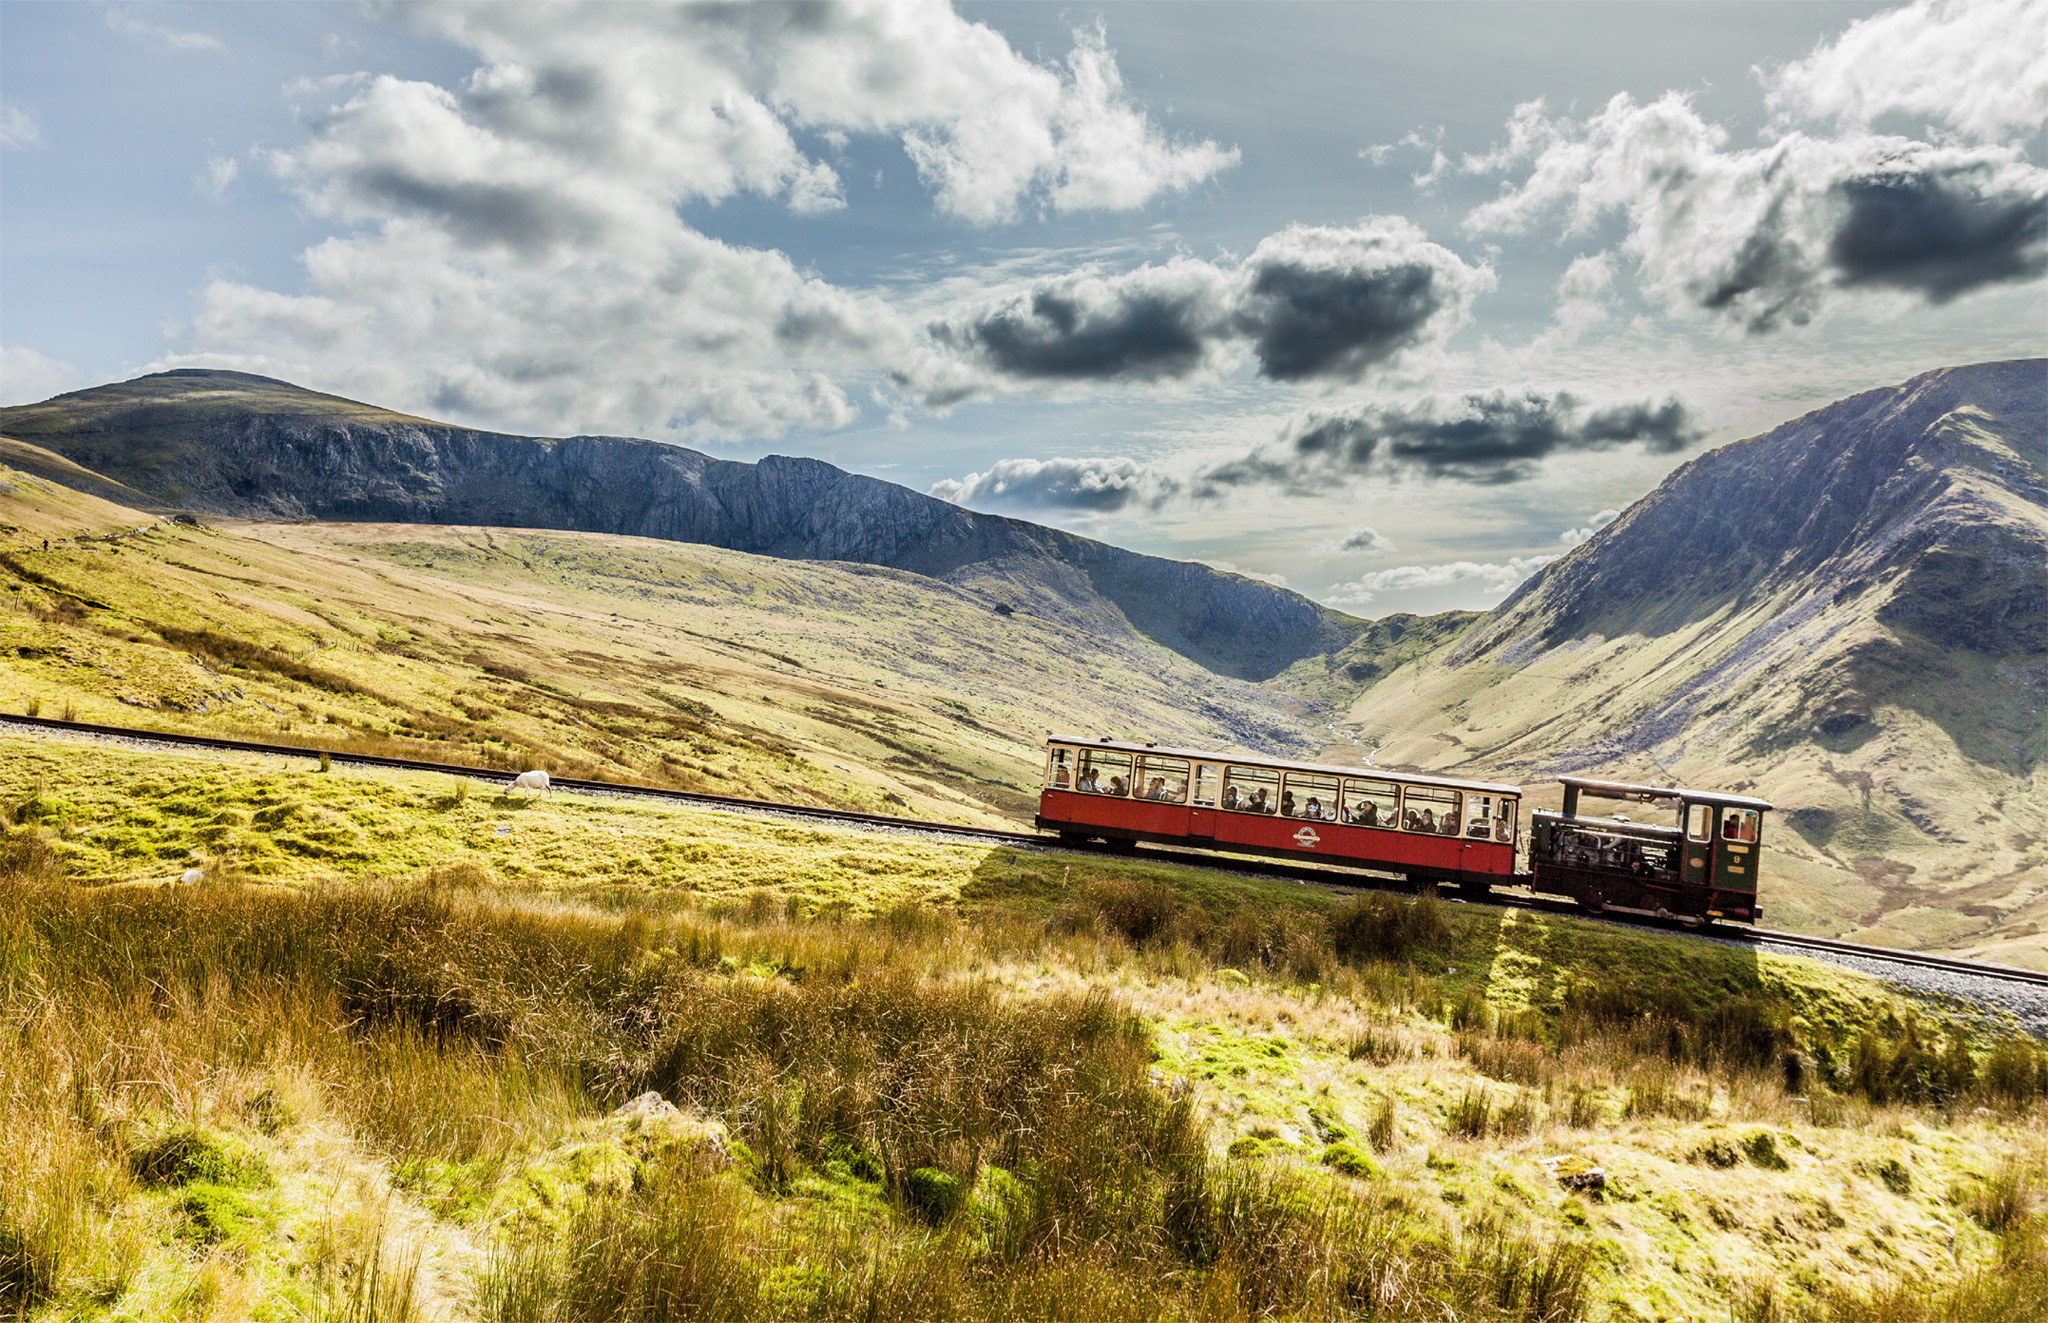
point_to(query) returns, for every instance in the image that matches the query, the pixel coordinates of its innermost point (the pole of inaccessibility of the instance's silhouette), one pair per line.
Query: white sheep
(533, 780)
(190, 876)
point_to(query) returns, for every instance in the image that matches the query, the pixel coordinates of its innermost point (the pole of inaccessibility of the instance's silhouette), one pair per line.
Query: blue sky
(1388, 302)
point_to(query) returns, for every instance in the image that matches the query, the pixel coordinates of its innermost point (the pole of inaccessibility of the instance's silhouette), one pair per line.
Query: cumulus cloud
(1475, 438)
(1764, 237)
(1311, 303)
(1573, 537)
(1098, 485)
(1979, 67)
(1361, 538)
(18, 127)
(516, 249)
(1492, 577)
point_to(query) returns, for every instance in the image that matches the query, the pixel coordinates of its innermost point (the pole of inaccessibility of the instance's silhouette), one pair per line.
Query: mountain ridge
(234, 444)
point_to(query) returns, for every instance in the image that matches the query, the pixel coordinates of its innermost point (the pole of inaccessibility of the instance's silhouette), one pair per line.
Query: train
(1431, 830)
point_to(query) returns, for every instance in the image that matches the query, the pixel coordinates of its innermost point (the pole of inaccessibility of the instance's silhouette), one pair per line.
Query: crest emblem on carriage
(1306, 838)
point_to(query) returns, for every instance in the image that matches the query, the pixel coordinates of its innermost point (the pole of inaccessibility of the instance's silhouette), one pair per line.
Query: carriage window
(1371, 803)
(1163, 779)
(1487, 818)
(1205, 786)
(1104, 772)
(1059, 769)
(1504, 820)
(1251, 789)
(1699, 823)
(1739, 825)
(1309, 795)
(1430, 809)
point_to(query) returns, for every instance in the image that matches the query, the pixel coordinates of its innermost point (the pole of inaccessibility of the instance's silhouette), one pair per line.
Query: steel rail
(1334, 878)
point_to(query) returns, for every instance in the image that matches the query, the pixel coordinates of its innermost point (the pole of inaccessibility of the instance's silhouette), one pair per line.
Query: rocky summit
(228, 443)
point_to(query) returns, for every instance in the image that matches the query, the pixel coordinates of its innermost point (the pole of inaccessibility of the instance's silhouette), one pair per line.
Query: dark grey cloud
(1939, 231)
(1307, 321)
(1480, 438)
(1161, 322)
(1309, 303)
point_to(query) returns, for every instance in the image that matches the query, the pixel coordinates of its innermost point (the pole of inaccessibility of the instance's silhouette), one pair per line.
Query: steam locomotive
(1428, 829)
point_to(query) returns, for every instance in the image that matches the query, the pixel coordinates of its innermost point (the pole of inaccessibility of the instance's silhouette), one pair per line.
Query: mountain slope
(232, 444)
(1848, 614)
(626, 658)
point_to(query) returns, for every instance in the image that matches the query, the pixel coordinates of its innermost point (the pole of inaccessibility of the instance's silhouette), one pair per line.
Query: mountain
(228, 443)
(1847, 615)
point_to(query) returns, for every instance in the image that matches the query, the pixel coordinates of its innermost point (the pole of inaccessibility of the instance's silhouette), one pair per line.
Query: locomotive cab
(1702, 868)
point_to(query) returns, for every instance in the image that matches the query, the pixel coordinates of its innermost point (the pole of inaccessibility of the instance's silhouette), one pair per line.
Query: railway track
(1343, 879)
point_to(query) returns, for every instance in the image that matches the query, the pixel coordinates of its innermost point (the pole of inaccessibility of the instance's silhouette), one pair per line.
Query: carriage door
(1696, 859)
(1202, 804)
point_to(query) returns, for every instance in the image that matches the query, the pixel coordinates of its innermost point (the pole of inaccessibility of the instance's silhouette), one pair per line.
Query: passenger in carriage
(1411, 821)
(1061, 779)
(1502, 833)
(1428, 823)
(1287, 804)
(1259, 804)
(1089, 782)
(1449, 826)
(1116, 786)
(1157, 790)
(1366, 814)
(1231, 797)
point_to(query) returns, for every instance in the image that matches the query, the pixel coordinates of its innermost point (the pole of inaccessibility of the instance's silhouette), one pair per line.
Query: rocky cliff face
(228, 443)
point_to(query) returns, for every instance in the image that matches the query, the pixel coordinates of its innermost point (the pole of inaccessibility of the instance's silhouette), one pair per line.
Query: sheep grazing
(533, 780)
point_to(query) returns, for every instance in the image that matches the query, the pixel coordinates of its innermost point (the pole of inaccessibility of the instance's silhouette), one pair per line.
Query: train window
(1251, 789)
(1432, 809)
(1205, 786)
(1699, 823)
(1371, 803)
(1310, 795)
(1489, 818)
(1104, 772)
(1738, 825)
(1059, 770)
(1163, 779)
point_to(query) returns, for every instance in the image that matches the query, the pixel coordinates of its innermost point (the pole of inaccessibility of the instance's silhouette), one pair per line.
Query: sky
(1390, 303)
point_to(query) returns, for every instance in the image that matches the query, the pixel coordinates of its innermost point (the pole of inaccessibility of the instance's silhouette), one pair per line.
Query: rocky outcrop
(232, 444)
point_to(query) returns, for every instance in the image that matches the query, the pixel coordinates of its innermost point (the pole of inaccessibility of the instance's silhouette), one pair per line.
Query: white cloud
(1494, 578)
(518, 255)
(1765, 236)
(217, 178)
(27, 376)
(1099, 485)
(1361, 538)
(1978, 66)
(18, 127)
(129, 23)
(1573, 537)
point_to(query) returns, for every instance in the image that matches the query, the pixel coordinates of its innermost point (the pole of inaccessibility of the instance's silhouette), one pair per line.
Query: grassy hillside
(390, 1077)
(626, 658)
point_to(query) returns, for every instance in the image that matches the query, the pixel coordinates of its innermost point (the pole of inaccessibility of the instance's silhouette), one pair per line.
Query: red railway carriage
(1430, 829)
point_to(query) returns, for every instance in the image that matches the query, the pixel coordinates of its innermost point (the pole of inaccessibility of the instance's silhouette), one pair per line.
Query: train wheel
(1592, 902)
